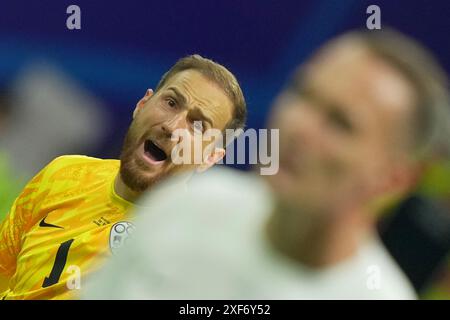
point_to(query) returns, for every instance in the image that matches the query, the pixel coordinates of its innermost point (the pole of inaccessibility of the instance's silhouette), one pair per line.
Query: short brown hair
(221, 76)
(431, 118)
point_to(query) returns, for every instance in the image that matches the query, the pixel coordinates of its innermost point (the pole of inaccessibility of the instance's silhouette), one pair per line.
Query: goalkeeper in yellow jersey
(73, 214)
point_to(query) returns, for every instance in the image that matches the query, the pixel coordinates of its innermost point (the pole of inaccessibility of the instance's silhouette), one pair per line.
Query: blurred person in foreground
(357, 123)
(74, 213)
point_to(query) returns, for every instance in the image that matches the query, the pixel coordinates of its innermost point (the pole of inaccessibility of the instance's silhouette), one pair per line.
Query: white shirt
(208, 242)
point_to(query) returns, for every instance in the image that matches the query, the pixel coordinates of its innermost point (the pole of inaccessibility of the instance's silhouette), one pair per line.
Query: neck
(316, 240)
(123, 191)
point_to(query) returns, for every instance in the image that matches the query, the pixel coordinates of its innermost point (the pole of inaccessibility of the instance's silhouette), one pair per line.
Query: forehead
(202, 93)
(347, 73)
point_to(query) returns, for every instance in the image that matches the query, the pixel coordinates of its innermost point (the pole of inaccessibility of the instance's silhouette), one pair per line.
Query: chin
(137, 179)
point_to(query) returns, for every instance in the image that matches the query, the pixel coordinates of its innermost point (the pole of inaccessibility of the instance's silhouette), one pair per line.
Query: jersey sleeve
(21, 217)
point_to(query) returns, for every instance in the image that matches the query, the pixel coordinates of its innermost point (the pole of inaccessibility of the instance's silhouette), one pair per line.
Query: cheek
(137, 129)
(134, 129)
(366, 164)
(149, 117)
(349, 150)
(342, 158)
(185, 146)
(152, 112)
(148, 113)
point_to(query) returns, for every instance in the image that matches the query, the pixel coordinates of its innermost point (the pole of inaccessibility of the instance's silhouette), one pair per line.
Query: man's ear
(212, 159)
(142, 102)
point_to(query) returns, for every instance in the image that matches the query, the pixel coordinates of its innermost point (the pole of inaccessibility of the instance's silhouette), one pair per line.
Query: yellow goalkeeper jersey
(64, 224)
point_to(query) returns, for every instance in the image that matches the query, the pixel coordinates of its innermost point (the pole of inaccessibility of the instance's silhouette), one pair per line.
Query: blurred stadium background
(72, 91)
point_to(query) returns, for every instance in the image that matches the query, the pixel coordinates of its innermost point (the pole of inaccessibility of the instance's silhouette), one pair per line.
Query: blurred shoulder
(221, 198)
(391, 282)
(224, 182)
(222, 187)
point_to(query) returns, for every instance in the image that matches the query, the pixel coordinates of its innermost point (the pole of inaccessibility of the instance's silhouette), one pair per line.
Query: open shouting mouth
(153, 153)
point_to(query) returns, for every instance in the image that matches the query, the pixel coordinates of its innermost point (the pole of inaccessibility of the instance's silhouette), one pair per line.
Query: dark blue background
(125, 46)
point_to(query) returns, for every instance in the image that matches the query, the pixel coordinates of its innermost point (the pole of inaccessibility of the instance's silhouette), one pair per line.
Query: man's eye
(340, 121)
(171, 103)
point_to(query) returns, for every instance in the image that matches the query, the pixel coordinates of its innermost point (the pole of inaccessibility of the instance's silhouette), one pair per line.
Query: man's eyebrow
(198, 111)
(179, 95)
